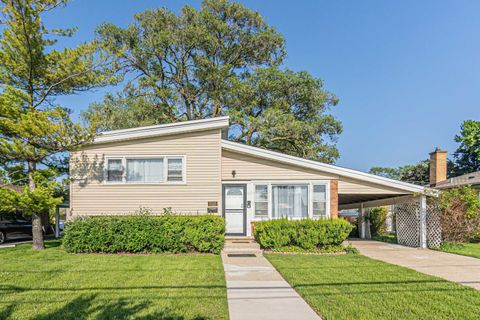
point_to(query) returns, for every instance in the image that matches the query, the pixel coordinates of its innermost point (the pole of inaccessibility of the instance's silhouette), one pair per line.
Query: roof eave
(350, 173)
(161, 130)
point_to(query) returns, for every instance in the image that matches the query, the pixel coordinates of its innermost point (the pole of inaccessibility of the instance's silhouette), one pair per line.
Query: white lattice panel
(434, 226)
(407, 216)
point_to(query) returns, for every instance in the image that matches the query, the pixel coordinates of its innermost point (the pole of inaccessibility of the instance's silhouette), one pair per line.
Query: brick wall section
(334, 198)
(438, 166)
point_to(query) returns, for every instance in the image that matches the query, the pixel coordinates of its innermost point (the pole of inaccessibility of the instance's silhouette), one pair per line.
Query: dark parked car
(14, 226)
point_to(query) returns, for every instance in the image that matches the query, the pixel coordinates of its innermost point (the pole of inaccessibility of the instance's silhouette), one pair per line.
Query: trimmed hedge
(143, 234)
(307, 234)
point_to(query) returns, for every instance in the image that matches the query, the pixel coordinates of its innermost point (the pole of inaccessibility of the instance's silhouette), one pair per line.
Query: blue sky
(407, 73)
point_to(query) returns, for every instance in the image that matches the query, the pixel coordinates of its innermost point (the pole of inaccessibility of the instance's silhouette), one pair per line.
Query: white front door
(234, 209)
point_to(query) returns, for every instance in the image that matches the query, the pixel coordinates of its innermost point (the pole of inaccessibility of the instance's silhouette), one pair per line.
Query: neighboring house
(438, 174)
(13, 187)
(190, 168)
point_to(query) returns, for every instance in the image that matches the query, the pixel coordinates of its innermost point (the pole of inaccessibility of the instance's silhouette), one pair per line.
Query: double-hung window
(175, 169)
(261, 200)
(115, 170)
(319, 201)
(161, 169)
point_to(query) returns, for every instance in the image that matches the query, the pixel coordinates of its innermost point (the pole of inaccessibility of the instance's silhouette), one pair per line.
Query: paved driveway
(453, 267)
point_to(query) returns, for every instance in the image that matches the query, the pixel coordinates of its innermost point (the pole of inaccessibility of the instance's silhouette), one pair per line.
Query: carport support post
(423, 222)
(57, 222)
(362, 221)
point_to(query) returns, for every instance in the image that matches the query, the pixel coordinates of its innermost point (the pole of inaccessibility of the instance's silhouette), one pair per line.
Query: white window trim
(165, 170)
(309, 183)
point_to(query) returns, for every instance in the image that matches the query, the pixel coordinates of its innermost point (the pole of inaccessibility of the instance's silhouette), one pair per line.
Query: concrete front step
(258, 252)
(242, 245)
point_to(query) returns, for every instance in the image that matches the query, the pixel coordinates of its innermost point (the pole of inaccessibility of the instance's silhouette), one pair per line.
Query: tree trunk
(37, 231)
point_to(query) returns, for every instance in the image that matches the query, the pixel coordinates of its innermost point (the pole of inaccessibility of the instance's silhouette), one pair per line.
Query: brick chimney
(438, 166)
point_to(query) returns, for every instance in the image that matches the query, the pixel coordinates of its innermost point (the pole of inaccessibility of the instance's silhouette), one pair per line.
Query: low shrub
(378, 221)
(354, 233)
(460, 214)
(386, 237)
(307, 234)
(143, 234)
(324, 250)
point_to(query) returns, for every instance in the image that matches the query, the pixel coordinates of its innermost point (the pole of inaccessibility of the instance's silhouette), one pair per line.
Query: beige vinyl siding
(249, 167)
(254, 168)
(351, 186)
(202, 151)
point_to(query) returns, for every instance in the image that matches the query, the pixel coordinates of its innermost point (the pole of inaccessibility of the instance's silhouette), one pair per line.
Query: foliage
(464, 249)
(184, 63)
(460, 210)
(378, 220)
(355, 232)
(467, 159)
(467, 155)
(352, 286)
(386, 237)
(324, 250)
(417, 173)
(284, 111)
(10, 200)
(220, 60)
(63, 286)
(143, 233)
(33, 128)
(307, 234)
(29, 202)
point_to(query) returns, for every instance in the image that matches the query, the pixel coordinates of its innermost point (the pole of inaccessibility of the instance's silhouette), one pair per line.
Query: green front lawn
(52, 284)
(356, 287)
(464, 249)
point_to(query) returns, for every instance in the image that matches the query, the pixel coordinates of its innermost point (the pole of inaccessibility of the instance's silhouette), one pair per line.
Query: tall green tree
(417, 173)
(222, 59)
(284, 111)
(33, 128)
(467, 155)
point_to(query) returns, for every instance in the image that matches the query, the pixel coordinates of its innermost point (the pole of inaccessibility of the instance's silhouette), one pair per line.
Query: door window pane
(175, 169)
(114, 170)
(290, 201)
(144, 170)
(234, 198)
(261, 200)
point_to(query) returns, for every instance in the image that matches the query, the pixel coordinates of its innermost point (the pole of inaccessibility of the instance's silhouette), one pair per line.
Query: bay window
(148, 169)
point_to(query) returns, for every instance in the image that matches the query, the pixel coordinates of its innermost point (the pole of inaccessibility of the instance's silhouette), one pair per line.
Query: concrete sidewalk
(256, 290)
(453, 267)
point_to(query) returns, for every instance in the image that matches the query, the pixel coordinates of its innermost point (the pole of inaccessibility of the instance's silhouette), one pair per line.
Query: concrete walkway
(256, 290)
(453, 267)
